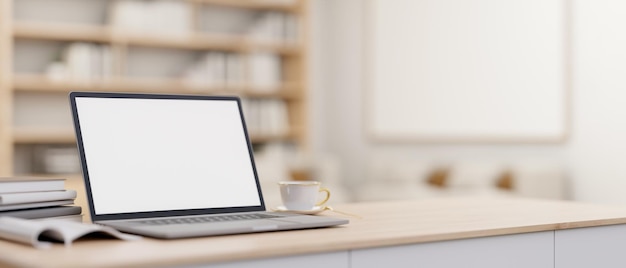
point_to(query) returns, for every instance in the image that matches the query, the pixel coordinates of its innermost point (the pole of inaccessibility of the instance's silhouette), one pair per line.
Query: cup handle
(326, 198)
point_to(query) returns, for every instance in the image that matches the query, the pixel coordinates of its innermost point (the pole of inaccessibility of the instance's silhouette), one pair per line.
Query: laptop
(173, 166)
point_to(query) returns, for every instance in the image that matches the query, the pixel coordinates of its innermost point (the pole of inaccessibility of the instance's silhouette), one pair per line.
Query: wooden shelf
(37, 83)
(105, 34)
(61, 32)
(57, 135)
(43, 135)
(264, 138)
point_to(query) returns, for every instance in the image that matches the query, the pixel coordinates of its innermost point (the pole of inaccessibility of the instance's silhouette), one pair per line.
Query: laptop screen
(162, 153)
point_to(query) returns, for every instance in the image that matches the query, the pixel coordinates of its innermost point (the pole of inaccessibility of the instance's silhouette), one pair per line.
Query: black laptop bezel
(151, 214)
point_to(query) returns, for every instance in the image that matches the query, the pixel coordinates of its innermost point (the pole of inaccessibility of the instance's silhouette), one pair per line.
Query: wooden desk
(460, 232)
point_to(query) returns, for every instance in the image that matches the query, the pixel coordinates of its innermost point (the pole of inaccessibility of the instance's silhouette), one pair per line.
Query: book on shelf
(208, 72)
(291, 29)
(266, 116)
(264, 72)
(216, 70)
(40, 234)
(38, 213)
(274, 27)
(30, 184)
(235, 70)
(34, 197)
(276, 117)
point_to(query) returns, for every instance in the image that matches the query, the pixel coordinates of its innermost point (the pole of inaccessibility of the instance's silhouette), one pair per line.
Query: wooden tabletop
(381, 224)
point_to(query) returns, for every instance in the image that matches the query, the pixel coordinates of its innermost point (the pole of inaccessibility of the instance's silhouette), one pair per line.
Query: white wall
(595, 152)
(336, 101)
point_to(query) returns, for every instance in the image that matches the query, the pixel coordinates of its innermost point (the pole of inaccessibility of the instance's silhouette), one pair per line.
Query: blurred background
(377, 99)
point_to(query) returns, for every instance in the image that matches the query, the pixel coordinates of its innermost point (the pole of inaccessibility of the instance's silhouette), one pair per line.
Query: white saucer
(315, 210)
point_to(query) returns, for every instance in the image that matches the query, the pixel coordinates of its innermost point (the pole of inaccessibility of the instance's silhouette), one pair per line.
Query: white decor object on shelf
(159, 16)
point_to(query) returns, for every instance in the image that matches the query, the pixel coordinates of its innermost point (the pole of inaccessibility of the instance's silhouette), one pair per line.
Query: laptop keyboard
(204, 219)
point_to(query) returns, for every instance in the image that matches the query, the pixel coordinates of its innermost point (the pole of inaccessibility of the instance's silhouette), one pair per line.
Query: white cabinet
(603, 246)
(521, 250)
(324, 260)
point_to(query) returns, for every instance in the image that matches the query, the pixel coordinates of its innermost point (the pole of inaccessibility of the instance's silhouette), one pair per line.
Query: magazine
(36, 205)
(30, 184)
(42, 213)
(42, 233)
(32, 197)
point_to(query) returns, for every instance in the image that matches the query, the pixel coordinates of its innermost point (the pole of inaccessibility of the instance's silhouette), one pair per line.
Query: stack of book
(260, 71)
(274, 27)
(82, 62)
(266, 116)
(37, 198)
(216, 70)
(55, 159)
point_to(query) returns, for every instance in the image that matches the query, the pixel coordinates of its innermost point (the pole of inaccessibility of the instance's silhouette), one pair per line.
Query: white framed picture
(467, 70)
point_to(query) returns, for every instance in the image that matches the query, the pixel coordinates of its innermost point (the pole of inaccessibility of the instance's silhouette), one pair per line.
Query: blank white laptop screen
(165, 154)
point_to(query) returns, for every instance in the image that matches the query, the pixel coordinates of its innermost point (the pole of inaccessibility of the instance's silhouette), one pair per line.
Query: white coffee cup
(302, 195)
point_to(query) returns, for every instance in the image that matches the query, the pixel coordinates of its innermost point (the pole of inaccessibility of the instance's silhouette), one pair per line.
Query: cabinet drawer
(325, 260)
(601, 246)
(522, 250)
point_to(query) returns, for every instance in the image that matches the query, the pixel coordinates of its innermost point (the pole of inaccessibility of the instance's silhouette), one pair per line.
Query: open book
(41, 233)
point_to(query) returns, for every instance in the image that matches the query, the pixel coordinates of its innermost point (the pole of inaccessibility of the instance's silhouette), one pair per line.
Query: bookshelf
(124, 48)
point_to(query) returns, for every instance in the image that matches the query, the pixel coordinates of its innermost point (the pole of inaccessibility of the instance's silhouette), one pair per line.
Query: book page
(69, 231)
(30, 231)
(22, 231)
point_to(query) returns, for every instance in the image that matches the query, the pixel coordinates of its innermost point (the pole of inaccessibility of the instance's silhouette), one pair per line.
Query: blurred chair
(397, 179)
(541, 179)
